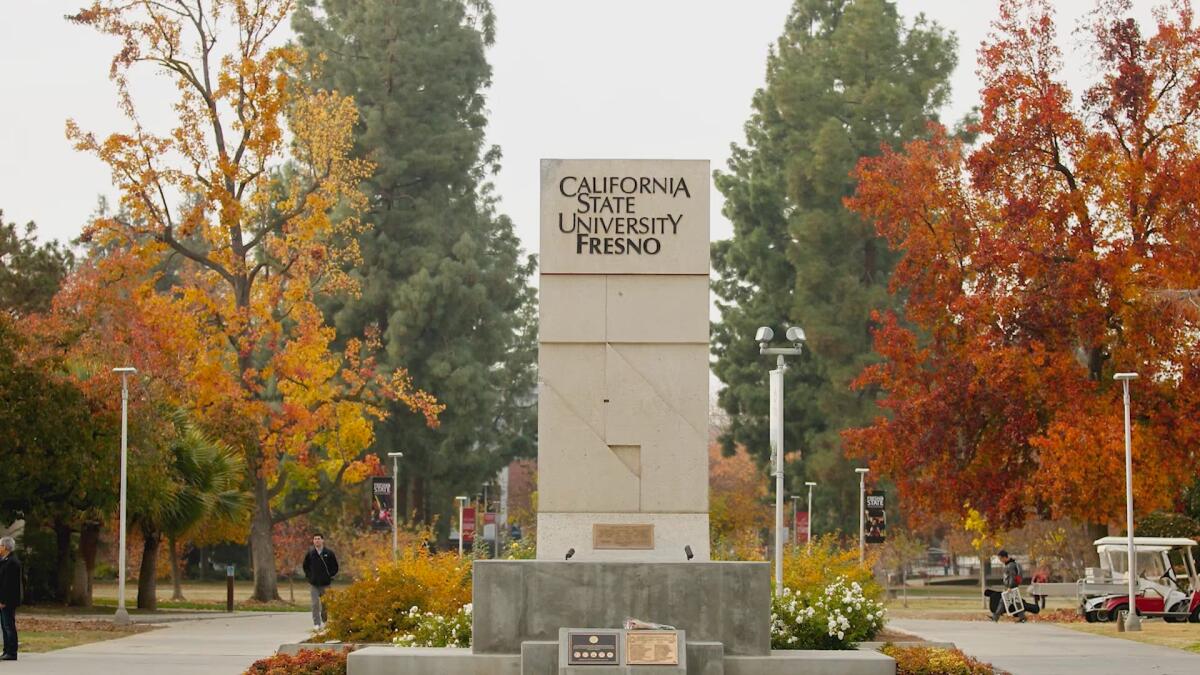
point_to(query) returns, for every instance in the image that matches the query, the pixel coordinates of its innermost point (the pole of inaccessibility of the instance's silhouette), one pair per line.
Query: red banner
(468, 524)
(802, 527)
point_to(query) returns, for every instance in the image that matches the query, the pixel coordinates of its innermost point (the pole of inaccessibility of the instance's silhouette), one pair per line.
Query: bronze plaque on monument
(652, 648)
(633, 537)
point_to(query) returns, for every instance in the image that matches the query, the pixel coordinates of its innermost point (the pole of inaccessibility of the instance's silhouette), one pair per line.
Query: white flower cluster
(833, 618)
(436, 630)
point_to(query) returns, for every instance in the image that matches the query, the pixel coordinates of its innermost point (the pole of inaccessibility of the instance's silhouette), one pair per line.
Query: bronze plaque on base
(652, 648)
(629, 537)
(584, 649)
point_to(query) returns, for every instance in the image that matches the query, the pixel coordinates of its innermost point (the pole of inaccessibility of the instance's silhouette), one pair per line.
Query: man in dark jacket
(320, 567)
(10, 596)
(1012, 580)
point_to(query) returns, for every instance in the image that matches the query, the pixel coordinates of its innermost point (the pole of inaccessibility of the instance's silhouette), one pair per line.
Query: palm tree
(203, 483)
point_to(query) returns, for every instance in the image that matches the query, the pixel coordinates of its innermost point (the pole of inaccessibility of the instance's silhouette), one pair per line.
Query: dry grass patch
(41, 634)
(1185, 636)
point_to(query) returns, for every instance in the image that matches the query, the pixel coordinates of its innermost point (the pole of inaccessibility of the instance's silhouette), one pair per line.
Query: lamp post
(795, 534)
(794, 335)
(1132, 621)
(808, 524)
(862, 491)
(462, 501)
(122, 615)
(395, 500)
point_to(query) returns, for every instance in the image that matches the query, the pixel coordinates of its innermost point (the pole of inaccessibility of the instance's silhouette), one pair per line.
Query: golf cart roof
(1157, 542)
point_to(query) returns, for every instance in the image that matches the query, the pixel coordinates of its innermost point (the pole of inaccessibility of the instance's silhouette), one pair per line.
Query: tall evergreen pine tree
(442, 274)
(846, 76)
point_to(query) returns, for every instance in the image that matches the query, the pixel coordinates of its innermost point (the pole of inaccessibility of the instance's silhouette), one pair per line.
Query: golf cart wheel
(1090, 617)
(1195, 617)
(1119, 613)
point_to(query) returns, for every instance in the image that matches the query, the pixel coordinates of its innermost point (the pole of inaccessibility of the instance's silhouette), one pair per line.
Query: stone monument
(623, 360)
(622, 457)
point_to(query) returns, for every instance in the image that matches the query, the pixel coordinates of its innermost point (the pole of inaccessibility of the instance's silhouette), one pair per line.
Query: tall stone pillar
(623, 360)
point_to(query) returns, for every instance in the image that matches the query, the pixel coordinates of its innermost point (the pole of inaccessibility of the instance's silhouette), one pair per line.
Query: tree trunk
(148, 573)
(402, 500)
(85, 565)
(63, 560)
(262, 548)
(419, 501)
(1095, 531)
(176, 583)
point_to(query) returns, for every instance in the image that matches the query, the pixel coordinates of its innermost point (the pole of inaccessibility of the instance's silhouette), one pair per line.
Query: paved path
(1043, 649)
(218, 645)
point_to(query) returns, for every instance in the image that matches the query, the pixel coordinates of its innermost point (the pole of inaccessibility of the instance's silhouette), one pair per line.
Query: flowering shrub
(824, 562)
(305, 662)
(377, 607)
(436, 630)
(934, 661)
(838, 616)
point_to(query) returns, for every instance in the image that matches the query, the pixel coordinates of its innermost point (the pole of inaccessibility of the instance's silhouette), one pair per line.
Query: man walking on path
(1012, 580)
(10, 596)
(320, 567)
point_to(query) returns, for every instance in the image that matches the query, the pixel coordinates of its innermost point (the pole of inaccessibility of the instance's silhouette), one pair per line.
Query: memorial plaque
(652, 648)
(585, 649)
(627, 537)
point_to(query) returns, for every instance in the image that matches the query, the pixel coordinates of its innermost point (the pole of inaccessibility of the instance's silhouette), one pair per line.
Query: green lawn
(43, 634)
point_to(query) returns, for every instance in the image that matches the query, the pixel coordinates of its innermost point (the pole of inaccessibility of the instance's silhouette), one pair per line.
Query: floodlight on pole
(395, 501)
(764, 335)
(808, 524)
(462, 501)
(122, 615)
(862, 496)
(1132, 622)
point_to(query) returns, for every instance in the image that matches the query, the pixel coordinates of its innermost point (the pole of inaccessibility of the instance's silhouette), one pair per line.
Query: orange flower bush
(306, 662)
(807, 569)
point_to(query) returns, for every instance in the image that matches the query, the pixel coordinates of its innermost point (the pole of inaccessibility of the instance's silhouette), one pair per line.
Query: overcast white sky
(573, 78)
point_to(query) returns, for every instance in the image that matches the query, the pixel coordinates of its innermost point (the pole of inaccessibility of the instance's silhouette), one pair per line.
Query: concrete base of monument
(451, 661)
(559, 532)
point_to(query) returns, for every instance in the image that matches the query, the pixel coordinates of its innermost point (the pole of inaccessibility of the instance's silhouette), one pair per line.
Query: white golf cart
(1167, 583)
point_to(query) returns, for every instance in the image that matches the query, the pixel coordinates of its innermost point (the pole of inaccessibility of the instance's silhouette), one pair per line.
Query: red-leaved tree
(1036, 265)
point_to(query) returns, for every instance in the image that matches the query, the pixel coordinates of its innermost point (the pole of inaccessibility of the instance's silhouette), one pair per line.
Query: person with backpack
(320, 567)
(10, 596)
(1012, 581)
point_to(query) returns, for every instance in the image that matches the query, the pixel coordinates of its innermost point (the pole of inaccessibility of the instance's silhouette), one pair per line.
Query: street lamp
(808, 537)
(794, 335)
(122, 615)
(462, 501)
(795, 534)
(862, 491)
(395, 500)
(1132, 622)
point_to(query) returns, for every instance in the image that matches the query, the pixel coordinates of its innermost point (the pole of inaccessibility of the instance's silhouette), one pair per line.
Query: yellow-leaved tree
(240, 190)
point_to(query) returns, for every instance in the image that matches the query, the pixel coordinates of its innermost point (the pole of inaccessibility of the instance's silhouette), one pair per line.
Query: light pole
(395, 500)
(122, 615)
(462, 501)
(808, 524)
(1132, 622)
(795, 533)
(862, 491)
(794, 335)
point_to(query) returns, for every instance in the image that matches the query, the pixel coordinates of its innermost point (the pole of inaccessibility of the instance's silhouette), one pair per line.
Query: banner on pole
(381, 503)
(802, 527)
(468, 526)
(876, 522)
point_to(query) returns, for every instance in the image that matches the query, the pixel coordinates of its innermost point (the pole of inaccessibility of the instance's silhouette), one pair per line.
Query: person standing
(10, 596)
(320, 567)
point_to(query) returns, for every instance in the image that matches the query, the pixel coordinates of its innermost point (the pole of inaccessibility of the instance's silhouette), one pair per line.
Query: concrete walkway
(1044, 649)
(221, 645)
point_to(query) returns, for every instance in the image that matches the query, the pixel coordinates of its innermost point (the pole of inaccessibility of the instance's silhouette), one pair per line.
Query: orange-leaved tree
(241, 190)
(1036, 265)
